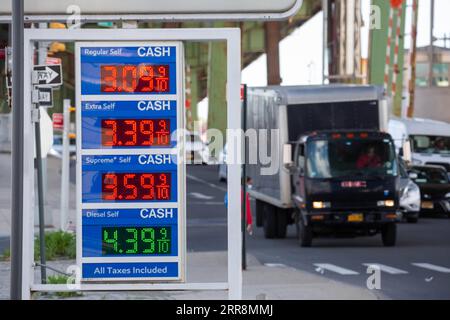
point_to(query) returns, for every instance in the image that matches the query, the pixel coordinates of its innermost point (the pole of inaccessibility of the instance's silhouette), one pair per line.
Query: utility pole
(413, 58)
(17, 150)
(431, 48)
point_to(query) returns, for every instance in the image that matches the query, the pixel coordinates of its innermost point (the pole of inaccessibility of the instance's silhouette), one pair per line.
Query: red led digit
(109, 133)
(136, 186)
(109, 190)
(163, 188)
(128, 184)
(148, 185)
(146, 129)
(163, 133)
(129, 78)
(146, 75)
(132, 132)
(135, 132)
(162, 71)
(108, 78)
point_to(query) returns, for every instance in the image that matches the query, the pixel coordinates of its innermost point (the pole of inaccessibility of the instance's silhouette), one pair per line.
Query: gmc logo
(353, 184)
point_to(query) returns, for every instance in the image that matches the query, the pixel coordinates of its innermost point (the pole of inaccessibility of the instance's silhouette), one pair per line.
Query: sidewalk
(52, 204)
(259, 282)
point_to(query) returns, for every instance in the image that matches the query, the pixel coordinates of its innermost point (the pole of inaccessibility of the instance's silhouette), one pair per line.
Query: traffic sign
(45, 97)
(131, 211)
(58, 121)
(47, 75)
(46, 127)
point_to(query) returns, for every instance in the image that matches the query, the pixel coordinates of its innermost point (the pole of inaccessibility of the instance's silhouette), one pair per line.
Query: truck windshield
(431, 144)
(351, 158)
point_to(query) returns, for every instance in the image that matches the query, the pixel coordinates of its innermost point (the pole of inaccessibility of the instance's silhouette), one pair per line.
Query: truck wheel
(282, 218)
(270, 221)
(389, 235)
(259, 213)
(412, 219)
(305, 234)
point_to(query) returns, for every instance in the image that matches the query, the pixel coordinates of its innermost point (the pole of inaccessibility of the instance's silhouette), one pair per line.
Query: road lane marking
(433, 267)
(334, 268)
(385, 268)
(212, 185)
(198, 195)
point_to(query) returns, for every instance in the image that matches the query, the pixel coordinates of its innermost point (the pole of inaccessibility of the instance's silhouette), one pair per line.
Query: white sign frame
(180, 205)
(232, 37)
(199, 12)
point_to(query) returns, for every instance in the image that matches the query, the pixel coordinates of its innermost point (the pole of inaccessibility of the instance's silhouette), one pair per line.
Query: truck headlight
(417, 162)
(321, 205)
(447, 195)
(386, 203)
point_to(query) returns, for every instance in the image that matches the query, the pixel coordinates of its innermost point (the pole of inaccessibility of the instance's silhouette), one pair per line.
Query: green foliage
(6, 255)
(59, 279)
(58, 245)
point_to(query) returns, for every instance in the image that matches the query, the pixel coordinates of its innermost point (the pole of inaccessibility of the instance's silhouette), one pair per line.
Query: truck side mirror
(288, 164)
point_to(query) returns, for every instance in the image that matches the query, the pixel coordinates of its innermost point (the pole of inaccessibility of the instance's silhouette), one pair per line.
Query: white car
(223, 164)
(410, 200)
(57, 147)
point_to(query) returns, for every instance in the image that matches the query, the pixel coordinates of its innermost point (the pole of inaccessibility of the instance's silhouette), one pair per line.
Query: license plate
(427, 205)
(355, 217)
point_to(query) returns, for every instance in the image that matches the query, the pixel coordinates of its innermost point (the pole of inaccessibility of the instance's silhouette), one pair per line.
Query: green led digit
(148, 236)
(163, 232)
(132, 240)
(163, 241)
(110, 241)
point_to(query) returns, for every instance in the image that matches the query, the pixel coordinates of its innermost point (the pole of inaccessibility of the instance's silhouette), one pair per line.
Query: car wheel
(389, 235)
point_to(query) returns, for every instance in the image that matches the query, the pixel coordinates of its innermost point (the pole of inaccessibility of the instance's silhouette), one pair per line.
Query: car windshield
(351, 158)
(431, 144)
(430, 176)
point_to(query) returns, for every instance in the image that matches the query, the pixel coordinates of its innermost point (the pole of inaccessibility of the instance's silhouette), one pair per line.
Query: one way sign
(48, 75)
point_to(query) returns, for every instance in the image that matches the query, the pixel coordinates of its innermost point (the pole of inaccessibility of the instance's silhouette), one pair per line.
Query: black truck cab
(346, 183)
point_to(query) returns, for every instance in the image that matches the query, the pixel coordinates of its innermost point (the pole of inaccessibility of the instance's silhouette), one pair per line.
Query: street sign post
(58, 121)
(45, 97)
(130, 186)
(47, 75)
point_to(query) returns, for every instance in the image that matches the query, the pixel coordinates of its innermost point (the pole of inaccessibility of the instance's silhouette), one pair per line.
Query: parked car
(434, 187)
(57, 147)
(410, 194)
(222, 164)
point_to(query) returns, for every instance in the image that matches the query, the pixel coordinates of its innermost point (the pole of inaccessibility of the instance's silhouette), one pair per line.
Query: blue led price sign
(130, 186)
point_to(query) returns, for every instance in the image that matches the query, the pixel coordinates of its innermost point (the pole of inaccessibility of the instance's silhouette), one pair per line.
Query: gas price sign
(130, 185)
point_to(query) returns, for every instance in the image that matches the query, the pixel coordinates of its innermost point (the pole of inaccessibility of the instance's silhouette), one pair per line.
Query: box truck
(338, 171)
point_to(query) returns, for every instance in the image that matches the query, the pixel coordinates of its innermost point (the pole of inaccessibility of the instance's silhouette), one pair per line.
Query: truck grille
(353, 205)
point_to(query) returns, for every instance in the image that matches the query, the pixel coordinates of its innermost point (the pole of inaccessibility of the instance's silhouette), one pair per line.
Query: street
(417, 268)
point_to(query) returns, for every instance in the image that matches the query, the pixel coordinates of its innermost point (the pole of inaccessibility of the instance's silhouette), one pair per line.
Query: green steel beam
(377, 58)
(217, 80)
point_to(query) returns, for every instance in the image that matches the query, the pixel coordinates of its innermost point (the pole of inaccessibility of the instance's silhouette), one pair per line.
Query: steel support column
(273, 36)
